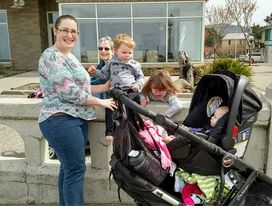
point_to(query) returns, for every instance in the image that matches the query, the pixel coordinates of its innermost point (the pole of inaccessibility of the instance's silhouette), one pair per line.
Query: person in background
(66, 108)
(105, 49)
(123, 72)
(160, 87)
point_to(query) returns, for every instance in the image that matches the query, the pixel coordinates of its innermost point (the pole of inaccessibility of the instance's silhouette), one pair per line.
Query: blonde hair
(161, 79)
(123, 39)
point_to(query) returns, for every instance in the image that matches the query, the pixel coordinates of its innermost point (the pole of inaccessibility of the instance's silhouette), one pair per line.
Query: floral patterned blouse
(65, 85)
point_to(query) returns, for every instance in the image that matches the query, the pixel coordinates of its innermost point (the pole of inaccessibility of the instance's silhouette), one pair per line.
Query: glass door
(51, 18)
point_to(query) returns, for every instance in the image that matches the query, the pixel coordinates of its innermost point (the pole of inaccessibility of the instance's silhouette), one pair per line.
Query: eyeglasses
(105, 48)
(67, 31)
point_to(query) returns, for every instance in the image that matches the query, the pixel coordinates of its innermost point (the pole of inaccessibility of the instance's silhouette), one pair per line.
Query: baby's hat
(213, 104)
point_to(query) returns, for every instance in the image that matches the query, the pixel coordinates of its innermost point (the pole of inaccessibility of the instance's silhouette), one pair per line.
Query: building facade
(233, 44)
(23, 32)
(267, 44)
(159, 28)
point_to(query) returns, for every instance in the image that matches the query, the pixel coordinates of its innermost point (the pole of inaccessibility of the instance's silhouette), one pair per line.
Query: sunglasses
(105, 48)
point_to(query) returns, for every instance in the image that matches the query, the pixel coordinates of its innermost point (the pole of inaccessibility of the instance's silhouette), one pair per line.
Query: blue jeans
(67, 135)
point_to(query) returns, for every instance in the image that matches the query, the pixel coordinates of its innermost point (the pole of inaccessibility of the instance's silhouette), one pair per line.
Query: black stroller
(154, 186)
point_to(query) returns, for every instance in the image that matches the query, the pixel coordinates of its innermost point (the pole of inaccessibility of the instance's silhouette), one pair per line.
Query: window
(86, 47)
(149, 35)
(113, 10)
(268, 35)
(229, 42)
(185, 9)
(111, 27)
(51, 18)
(4, 40)
(149, 10)
(184, 35)
(79, 10)
(160, 29)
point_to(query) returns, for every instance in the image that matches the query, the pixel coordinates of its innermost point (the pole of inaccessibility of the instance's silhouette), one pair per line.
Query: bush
(226, 64)
(200, 70)
(223, 64)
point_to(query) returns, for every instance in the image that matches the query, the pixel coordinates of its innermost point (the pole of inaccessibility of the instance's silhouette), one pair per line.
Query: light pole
(235, 46)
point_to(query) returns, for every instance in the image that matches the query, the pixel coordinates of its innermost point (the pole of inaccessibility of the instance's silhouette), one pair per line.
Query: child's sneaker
(179, 184)
(197, 199)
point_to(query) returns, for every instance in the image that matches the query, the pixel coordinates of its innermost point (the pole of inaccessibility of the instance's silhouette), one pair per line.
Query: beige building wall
(228, 47)
(27, 31)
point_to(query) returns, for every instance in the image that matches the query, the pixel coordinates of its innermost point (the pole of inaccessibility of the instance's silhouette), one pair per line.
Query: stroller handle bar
(160, 119)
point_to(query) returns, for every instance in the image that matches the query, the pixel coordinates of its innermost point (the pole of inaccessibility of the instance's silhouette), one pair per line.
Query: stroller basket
(251, 187)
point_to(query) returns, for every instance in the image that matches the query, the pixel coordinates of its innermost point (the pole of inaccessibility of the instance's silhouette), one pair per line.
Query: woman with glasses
(66, 108)
(105, 49)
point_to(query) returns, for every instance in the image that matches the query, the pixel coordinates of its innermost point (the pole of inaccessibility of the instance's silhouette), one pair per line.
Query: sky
(264, 9)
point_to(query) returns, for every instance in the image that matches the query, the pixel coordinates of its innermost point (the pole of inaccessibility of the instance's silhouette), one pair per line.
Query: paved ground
(262, 77)
(8, 83)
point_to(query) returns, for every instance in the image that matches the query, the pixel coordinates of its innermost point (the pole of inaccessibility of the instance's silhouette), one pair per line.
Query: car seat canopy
(223, 86)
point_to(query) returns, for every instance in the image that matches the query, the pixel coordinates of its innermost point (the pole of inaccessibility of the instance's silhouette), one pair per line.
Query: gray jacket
(121, 74)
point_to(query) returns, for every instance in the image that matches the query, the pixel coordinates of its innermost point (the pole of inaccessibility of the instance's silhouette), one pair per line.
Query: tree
(268, 20)
(218, 18)
(257, 33)
(209, 40)
(241, 12)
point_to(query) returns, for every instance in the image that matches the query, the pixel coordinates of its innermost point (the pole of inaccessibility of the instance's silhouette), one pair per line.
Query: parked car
(242, 57)
(255, 57)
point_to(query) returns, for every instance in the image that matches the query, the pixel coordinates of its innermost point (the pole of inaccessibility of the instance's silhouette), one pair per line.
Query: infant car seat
(244, 106)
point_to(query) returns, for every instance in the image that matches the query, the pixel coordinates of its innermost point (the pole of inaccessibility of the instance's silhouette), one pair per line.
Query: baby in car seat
(218, 114)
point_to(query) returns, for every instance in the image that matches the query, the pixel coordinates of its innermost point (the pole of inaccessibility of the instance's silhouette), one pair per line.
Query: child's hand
(91, 70)
(135, 87)
(145, 101)
(166, 139)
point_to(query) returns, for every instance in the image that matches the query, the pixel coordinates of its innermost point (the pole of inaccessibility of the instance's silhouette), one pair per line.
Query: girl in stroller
(160, 87)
